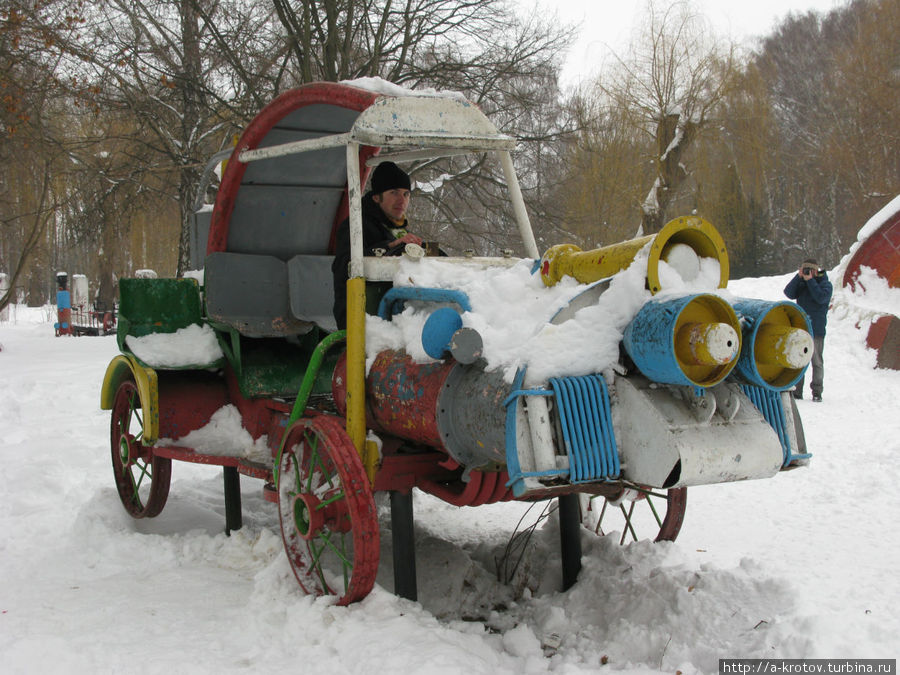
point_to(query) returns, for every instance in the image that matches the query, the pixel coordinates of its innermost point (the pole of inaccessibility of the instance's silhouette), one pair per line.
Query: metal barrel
(445, 404)
(690, 340)
(681, 243)
(777, 343)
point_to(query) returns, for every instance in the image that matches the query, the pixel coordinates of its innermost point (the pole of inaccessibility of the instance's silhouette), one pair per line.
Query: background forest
(110, 109)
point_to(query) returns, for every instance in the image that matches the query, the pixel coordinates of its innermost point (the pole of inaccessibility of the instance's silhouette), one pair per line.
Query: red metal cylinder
(401, 396)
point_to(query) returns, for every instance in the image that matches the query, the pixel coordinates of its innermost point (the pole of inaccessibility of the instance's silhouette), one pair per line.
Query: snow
(192, 345)
(799, 566)
(512, 310)
(386, 88)
(225, 436)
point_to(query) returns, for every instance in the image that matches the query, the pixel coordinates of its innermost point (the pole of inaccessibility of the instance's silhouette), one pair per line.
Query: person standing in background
(812, 290)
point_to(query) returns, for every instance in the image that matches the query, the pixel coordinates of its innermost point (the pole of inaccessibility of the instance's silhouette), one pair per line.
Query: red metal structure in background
(880, 251)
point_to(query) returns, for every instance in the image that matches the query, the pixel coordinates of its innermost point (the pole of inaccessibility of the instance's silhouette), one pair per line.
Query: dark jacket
(813, 295)
(378, 232)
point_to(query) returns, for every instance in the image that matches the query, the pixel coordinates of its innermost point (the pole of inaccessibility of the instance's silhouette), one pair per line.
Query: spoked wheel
(329, 523)
(639, 514)
(142, 478)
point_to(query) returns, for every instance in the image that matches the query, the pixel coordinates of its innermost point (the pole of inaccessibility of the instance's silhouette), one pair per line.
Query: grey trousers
(818, 368)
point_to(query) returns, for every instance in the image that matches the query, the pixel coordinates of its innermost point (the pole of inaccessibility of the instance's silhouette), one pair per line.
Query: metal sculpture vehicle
(694, 392)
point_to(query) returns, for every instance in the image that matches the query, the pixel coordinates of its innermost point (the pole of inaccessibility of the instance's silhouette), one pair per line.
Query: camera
(807, 269)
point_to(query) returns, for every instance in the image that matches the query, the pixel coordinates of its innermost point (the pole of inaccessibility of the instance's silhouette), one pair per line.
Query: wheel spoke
(315, 562)
(653, 509)
(313, 459)
(145, 472)
(640, 513)
(298, 478)
(340, 552)
(628, 525)
(331, 500)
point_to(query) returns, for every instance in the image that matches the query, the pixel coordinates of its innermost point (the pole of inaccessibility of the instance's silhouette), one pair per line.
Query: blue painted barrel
(777, 343)
(664, 334)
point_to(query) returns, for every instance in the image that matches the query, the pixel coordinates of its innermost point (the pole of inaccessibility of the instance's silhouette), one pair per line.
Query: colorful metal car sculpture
(698, 395)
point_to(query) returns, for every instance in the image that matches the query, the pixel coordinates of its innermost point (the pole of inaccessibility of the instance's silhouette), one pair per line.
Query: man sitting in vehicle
(384, 226)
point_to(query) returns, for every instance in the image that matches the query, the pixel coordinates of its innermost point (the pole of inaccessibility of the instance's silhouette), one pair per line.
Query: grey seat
(311, 289)
(250, 294)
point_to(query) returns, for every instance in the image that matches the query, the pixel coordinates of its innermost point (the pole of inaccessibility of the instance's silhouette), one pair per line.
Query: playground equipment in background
(76, 315)
(697, 396)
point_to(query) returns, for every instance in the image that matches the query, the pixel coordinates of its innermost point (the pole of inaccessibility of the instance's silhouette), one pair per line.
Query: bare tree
(671, 84)
(507, 65)
(834, 91)
(30, 154)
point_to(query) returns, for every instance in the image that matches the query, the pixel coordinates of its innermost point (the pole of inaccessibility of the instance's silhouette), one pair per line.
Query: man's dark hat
(389, 176)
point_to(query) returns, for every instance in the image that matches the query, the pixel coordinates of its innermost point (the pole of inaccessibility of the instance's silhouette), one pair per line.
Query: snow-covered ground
(801, 565)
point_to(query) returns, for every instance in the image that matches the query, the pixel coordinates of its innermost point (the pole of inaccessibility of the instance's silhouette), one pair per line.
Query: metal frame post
(404, 544)
(570, 538)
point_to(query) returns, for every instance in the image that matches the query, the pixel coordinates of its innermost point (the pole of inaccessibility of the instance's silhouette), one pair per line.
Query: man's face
(394, 203)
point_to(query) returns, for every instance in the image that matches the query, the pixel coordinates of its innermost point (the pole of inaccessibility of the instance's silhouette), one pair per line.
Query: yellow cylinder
(783, 346)
(356, 365)
(674, 244)
(707, 344)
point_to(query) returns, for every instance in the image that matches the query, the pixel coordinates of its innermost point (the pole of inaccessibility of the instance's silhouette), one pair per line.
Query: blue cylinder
(692, 340)
(777, 343)
(63, 300)
(438, 331)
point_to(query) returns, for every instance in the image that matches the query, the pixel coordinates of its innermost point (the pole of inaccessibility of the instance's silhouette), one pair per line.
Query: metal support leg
(233, 518)
(403, 538)
(570, 538)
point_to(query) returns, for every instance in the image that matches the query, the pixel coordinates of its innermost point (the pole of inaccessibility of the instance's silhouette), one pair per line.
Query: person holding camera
(812, 290)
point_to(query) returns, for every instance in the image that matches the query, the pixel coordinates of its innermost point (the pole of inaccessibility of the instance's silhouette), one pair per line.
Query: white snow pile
(193, 345)
(512, 310)
(224, 435)
(382, 86)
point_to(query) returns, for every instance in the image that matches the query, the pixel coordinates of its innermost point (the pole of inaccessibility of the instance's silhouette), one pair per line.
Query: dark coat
(813, 295)
(378, 232)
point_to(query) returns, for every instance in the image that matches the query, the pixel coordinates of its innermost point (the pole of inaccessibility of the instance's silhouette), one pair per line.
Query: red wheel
(142, 478)
(640, 514)
(329, 523)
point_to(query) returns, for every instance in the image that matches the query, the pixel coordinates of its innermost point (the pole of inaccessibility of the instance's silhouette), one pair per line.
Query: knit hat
(811, 262)
(389, 176)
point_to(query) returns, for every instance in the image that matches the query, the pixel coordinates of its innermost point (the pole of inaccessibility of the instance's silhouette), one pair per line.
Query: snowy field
(803, 565)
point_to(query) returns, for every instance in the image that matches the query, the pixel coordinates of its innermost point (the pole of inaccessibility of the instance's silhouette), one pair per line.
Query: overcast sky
(606, 24)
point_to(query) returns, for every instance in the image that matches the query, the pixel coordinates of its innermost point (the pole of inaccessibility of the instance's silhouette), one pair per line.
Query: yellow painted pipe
(356, 371)
(783, 346)
(707, 344)
(707, 340)
(673, 244)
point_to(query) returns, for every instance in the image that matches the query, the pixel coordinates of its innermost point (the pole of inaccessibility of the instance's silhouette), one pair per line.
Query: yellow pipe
(589, 266)
(707, 344)
(706, 332)
(783, 346)
(356, 370)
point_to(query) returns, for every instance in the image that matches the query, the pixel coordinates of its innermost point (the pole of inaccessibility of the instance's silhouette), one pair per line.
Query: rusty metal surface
(403, 396)
(471, 417)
